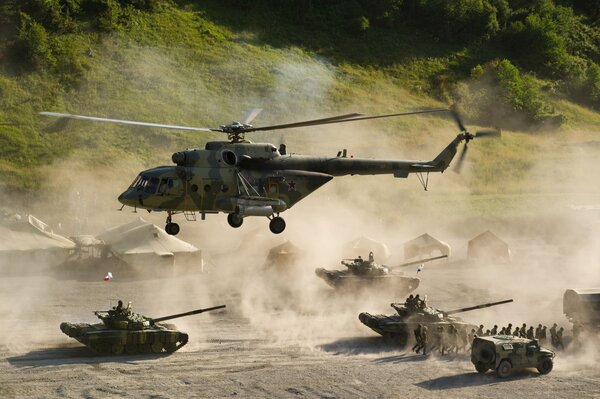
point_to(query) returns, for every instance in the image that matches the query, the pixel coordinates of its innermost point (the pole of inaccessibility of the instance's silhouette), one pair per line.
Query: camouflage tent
(363, 245)
(425, 246)
(29, 244)
(143, 244)
(487, 245)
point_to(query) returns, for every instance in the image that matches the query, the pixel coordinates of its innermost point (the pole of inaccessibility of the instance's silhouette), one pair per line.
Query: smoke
(555, 244)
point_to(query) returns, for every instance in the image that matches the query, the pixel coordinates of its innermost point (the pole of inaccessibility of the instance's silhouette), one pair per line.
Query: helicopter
(244, 179)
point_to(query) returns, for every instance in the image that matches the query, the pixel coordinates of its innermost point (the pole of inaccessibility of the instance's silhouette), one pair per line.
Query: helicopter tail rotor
(468, 137)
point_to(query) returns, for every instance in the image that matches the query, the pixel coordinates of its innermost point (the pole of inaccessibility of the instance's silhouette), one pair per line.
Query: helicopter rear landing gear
(277, 225)
(171, 228)
(235, 220)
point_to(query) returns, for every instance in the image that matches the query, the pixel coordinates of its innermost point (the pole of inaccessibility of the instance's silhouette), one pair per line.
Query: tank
(123, 331)
(363, 273)
(399, 327)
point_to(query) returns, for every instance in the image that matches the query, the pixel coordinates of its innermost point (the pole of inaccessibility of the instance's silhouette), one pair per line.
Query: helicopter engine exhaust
(254, 210)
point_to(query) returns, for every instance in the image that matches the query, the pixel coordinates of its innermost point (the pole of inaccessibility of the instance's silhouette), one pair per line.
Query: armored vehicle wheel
(103, 348)
(481, 368)
(117, 349)
(131, 349)
(145, 348)
(172, 229)
(171, 347)
(234, 220)
(277, 225)
(157, 347)
(545, 365)
(504, 369)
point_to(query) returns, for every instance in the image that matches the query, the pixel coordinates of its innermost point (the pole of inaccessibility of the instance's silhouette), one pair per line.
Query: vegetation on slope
(507, 63)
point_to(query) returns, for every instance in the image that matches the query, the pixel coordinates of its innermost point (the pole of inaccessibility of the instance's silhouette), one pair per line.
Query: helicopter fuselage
(253, 179)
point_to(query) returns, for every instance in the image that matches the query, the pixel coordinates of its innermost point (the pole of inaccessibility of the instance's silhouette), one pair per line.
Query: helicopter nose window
(140, 183)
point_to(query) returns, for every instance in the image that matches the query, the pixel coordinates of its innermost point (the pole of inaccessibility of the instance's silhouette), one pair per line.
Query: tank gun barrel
(485, 305)
(192, 312)
(415, 262)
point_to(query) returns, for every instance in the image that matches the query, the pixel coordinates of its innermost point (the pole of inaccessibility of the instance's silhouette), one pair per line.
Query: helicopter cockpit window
(165, 186)
(140, 182)
(152, 185)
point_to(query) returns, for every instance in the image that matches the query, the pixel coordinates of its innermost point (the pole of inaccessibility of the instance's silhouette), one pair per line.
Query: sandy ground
(273, 342)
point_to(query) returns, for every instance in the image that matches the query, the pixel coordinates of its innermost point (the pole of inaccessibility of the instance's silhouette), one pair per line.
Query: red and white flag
(421, 267)
(108, 276)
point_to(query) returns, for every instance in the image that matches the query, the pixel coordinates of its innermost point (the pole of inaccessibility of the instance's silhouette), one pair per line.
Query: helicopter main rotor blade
(339, 119)
(253, 113)
(126, 122)
(488, 133)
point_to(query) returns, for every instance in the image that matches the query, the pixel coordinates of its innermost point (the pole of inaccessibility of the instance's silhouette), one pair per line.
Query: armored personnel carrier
(123, 331)
(399, 327)
(504, 353)
(362, 273)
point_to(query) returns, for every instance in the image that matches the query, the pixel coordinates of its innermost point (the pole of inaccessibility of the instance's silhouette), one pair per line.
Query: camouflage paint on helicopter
(244, 179)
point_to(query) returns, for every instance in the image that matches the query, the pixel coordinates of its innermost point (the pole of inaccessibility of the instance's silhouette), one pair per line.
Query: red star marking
(291, 185)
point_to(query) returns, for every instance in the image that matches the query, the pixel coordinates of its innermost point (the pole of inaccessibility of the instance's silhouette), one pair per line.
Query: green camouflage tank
(123, 331)
(363, 273)
(399, 327)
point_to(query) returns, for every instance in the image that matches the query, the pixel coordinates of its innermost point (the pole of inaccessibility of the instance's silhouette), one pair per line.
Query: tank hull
(105, 341)
(400, 331)
(347, 281)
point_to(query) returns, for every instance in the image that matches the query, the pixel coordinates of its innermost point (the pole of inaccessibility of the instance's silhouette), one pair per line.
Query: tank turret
(122, 330)
(415, 311)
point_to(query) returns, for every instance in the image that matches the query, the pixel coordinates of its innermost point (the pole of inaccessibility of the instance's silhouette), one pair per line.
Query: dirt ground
(291, 336)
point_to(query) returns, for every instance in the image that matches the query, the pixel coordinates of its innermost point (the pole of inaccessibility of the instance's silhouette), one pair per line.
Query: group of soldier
(448, 338)
(414, 302)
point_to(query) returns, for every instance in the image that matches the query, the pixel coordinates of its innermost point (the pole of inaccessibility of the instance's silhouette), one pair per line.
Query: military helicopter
(243, 179)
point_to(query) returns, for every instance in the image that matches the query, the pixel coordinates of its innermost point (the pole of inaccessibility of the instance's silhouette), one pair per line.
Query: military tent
(362, 246)
(283, 255)
(148, 247)
(28, 244)
(488, 246)
(425, 246)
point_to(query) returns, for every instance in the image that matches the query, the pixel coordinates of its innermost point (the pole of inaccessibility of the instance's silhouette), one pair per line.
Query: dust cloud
(554, 245)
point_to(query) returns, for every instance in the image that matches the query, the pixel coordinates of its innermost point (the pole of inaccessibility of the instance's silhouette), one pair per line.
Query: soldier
(488, 332)
(480, 330)
(371, 257)
(523, 331)
(553, 334)
(538, 332)
(508, 329)
(543, 335)
(417, 347)
(494, 330)
(503, 331)
(517, 333)
(409, 301)
(471, 337)
(530, 334)
(119, 306)
(424, 339)
(559, 337)
(438, 340)
(417, 301)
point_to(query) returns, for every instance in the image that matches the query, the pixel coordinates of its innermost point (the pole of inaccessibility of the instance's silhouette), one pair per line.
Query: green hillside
(531, 67)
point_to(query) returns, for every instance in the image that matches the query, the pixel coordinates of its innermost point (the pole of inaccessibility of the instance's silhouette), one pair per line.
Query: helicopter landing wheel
(172, 228)
(277, 225)
(235, 220)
